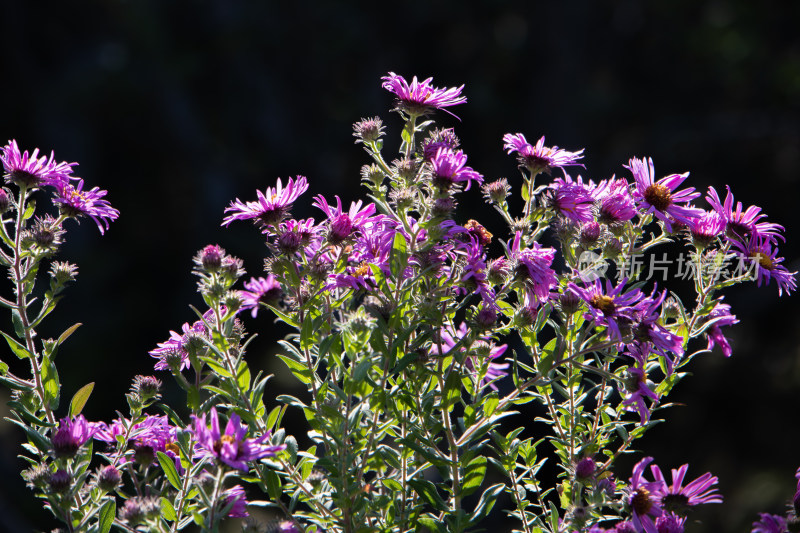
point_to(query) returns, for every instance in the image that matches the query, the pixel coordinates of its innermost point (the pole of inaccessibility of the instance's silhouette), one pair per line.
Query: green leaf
(273, 483)
(69, 331)
(452, 390)
(16, 319)
(428, 492)
(50, 382)
(106, 516)
(473, 475)
(487, 501)
(18, 349)
(80, 399)
(169, 470)
(167, 510)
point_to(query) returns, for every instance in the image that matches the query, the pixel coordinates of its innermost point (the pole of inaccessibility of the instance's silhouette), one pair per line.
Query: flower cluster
(417, 335)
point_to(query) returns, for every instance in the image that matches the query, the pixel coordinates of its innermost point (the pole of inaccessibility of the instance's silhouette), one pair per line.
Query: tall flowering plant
(418, 336)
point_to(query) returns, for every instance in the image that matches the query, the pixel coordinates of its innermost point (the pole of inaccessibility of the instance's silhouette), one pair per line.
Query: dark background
(177, 108)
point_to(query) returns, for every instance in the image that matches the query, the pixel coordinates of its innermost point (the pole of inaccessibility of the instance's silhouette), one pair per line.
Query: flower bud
(406, 168)
(146, 387)
(37, 476)
(373, 174)
(590, 233)
(108, 478)
(63, 272)
(569, 303)
(5, 200)
(497, 191)
(368, 130)
(403, 198)
(209, 259)
(443, 207)
(585, 469)
(60, 481)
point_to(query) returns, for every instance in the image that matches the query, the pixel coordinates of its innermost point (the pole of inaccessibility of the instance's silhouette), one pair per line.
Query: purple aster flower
(174, 353)
(572, 200)
(610, 308)
(678, 499)
(343, 225)
(758, 251)
(72, 433)
(670, 523)
(237, 499)
(720, 316)
(448, 167)
(475, 270)
(33, 171)
(770, 523)
(615, 202)
(741, 223)
(151, 435)
(272, 206)
(260, 291)
(636, 390)
(647, 328)
(644, 499)
(231, 447)
(706, 228)
(295, 234)
(539, 158)
(75, 202)
(532, 266)
(439, 138)
(419, 98)
(659, 197)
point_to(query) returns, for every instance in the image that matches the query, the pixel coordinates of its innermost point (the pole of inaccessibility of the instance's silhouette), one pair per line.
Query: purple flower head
(647, 328)
(448, 167)
(75, 202)
(706, 228)
(72, 433)
(571, 199)
(237, 499)
(759, 252)
(532, 266)
(260, 291)
(643, 498)
(231, 447)
(770, 523)
(610, 307)
(33, 171)
(151, 435)
(615, 202)
(670, 523)
(636, 390)
(475, 270)
(295, 234)
(343, 225)
(679, 499)
(741, 223)
(174, 353)
(419, 98)
(539, 158)
(659, 197)
(721, 316)
(439, 138)
(272, 206)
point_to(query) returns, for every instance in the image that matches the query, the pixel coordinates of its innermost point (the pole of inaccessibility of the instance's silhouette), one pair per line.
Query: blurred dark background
(177, 107)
